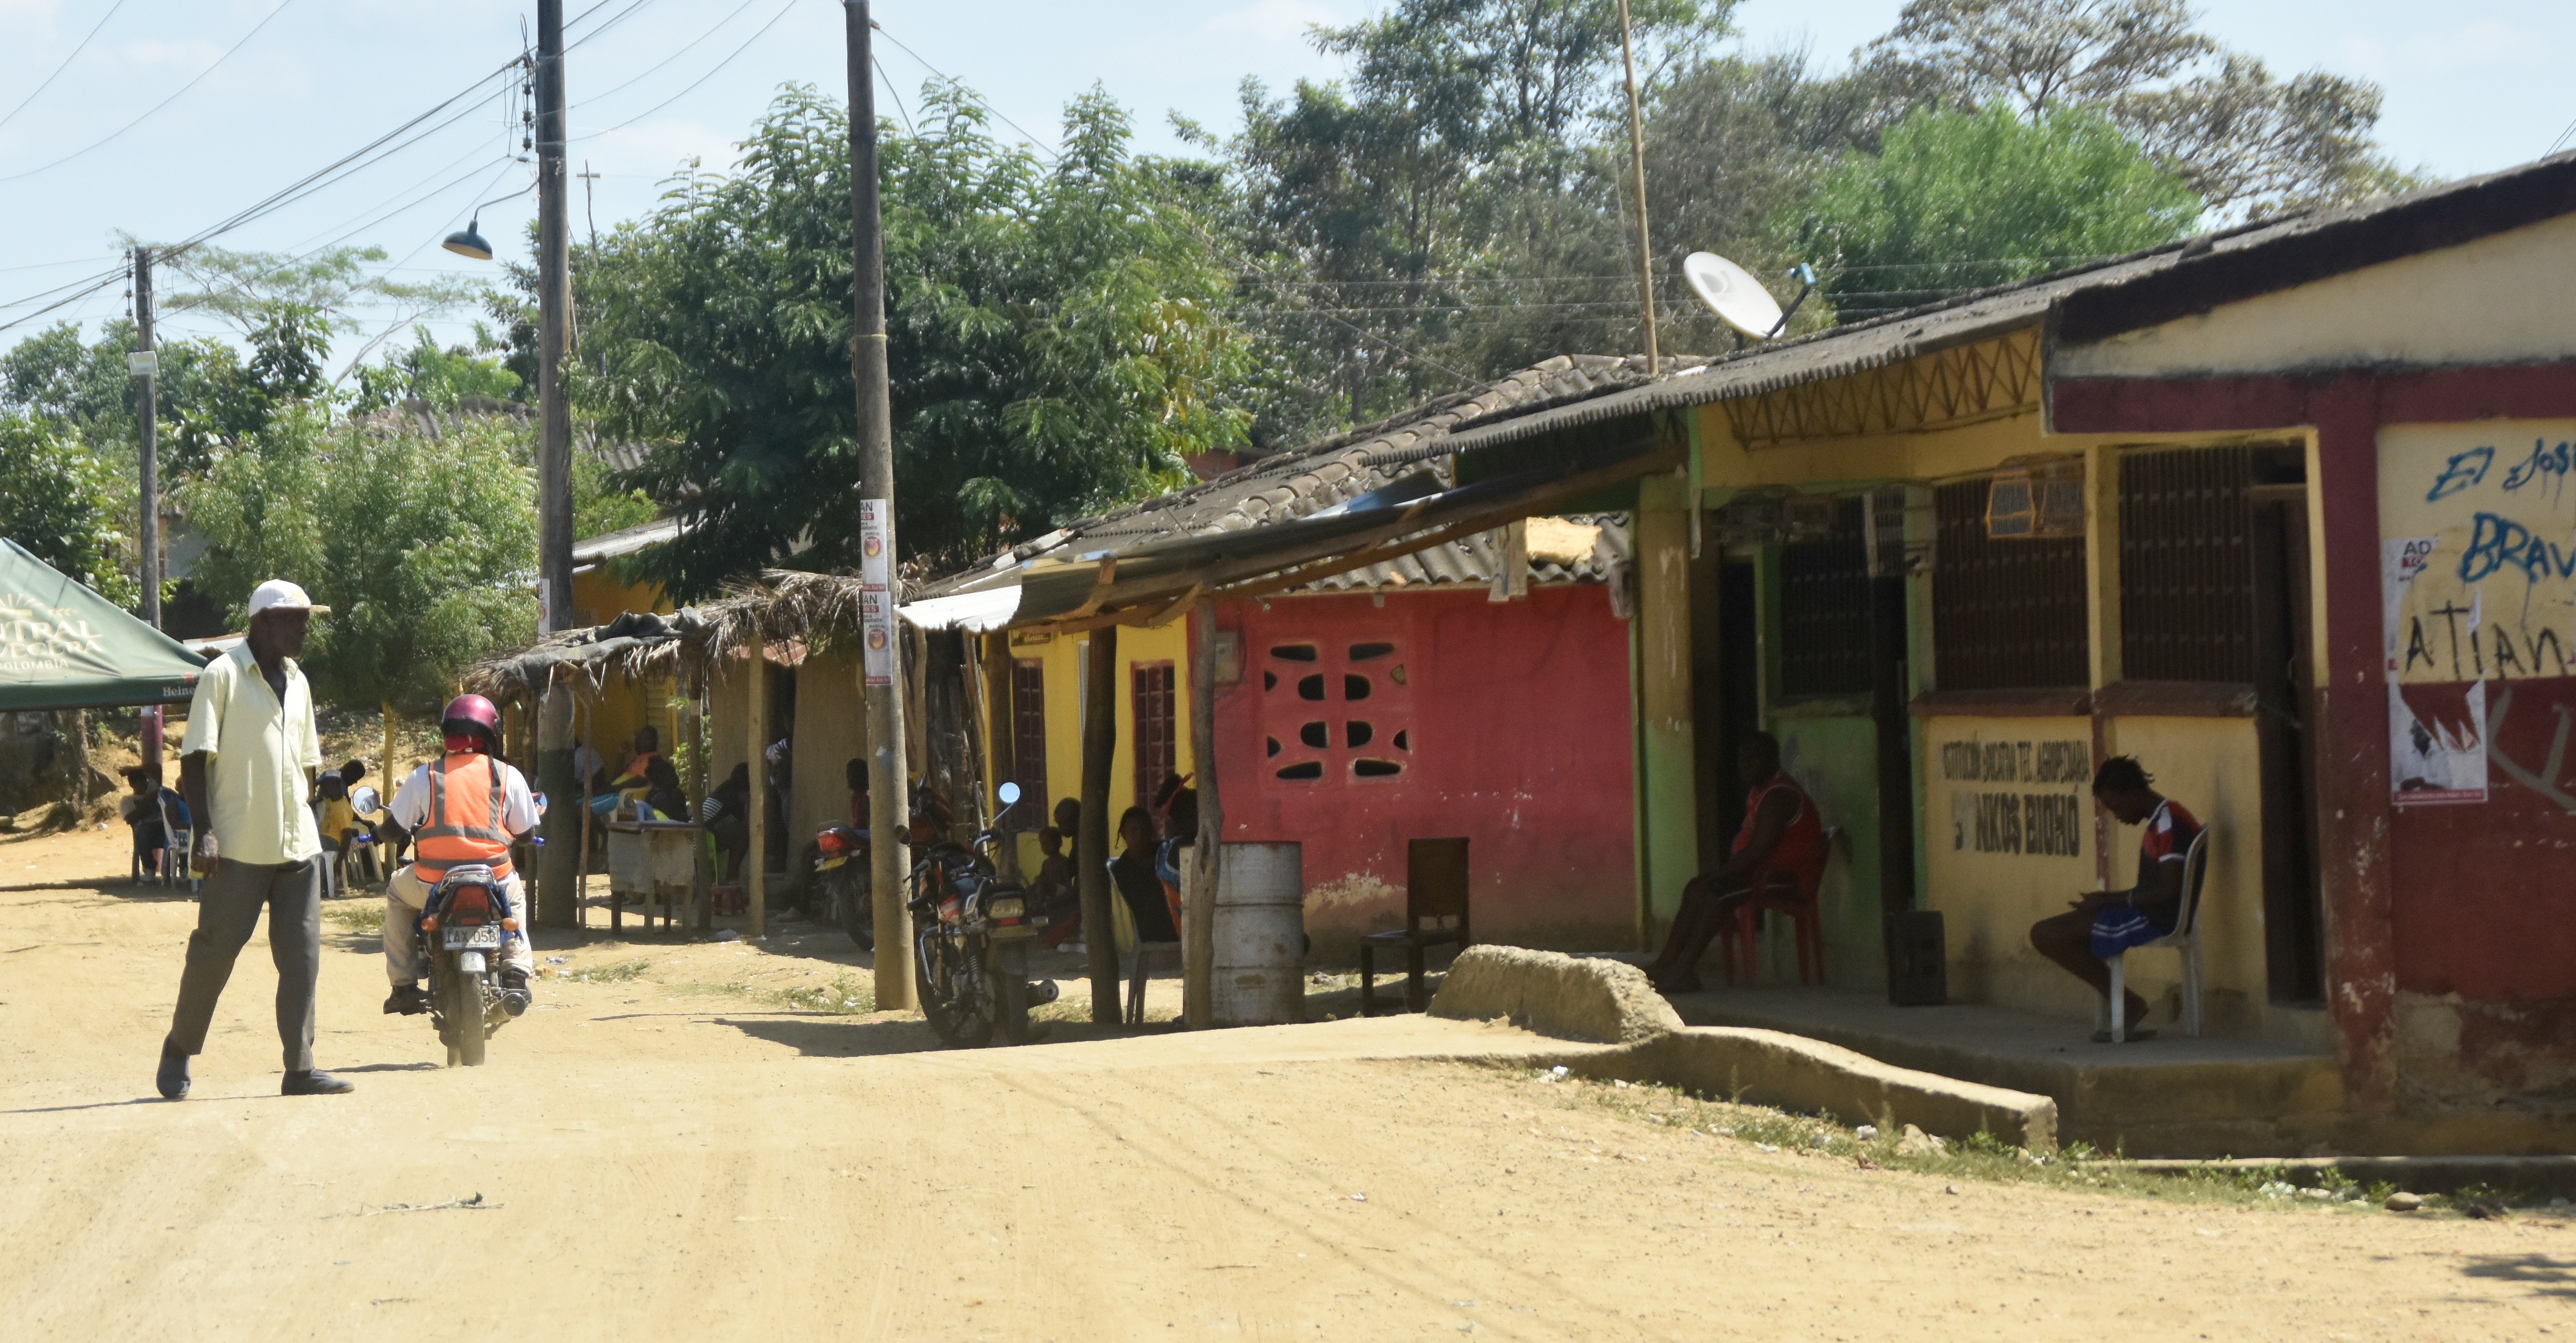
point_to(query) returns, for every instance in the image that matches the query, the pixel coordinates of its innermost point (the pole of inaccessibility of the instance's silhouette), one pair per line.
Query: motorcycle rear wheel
(955, 1018)
(852, 906)
(1009, 978)
(463, 1006)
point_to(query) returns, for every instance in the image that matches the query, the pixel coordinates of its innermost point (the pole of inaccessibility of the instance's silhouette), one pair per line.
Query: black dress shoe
(408, 999)
(173, 1078)
(316, 1084)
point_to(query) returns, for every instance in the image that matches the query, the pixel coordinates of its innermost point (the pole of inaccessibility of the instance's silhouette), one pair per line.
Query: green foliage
(1056, 345)
(1989, 187)
(2246, 142)
(439, 378)
(85, 387)
(420, 546)
(60, 502)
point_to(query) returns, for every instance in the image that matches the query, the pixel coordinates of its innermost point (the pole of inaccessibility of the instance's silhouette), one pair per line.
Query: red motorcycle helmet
(471, 720)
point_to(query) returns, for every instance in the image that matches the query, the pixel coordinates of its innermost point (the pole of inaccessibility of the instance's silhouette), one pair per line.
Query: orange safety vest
(465, 808)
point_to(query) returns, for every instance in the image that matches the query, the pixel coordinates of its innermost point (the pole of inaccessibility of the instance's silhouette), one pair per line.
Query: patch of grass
(365, 916)
(620, 973)
(1981, 1156)
(844, 996)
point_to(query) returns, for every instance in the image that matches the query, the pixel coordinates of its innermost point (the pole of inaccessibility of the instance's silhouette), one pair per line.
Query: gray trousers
(227, 911)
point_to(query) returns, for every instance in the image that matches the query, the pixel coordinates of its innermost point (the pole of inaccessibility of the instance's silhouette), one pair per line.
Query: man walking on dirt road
(246, 768)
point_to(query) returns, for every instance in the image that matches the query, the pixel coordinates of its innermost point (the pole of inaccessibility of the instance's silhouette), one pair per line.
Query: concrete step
(2171, 1096)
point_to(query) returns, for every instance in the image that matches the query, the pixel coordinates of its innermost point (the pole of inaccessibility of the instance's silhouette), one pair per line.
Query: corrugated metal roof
(1474, 561)
(1307, 481)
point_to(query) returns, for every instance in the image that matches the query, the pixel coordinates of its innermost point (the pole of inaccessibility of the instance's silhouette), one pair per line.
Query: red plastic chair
(1792, 894)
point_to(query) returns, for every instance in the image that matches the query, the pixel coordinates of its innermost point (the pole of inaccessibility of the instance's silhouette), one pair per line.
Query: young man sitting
(145, 811)
(1781, 845)
(2099, 925)
(466, 807)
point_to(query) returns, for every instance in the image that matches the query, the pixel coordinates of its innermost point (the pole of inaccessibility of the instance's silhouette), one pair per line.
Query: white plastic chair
(2185, 938)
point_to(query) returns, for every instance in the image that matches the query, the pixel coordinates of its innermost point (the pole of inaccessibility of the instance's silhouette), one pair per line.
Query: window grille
(1157, 733)
(1028, 732)
(2186, 565)
(1825, 608)
(2007, 613)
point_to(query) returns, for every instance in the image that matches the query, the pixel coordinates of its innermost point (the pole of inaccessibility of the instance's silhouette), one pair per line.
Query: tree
(60, 502)
(422, 547)
(2248, 143)
(441, 378)
(1956, 199)
(1056, 344)
(86, 388)
(1419, 208)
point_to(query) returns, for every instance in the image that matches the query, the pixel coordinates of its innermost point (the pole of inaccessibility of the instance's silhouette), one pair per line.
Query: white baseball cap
(279, 595)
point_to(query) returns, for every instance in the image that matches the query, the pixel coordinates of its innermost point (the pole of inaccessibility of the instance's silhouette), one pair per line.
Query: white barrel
(1260, 931)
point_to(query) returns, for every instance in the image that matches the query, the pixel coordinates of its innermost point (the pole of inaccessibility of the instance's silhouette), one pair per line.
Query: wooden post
(692, 713)
(755, 866)
(1091, 854)
(1198, 957)
(555, 898)
(1003, 738)
(581, 872)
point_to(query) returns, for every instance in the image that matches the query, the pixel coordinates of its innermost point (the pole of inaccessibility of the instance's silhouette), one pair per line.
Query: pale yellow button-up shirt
(256, 784)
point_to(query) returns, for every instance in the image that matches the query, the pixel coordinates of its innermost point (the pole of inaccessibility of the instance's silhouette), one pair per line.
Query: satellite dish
(1733, 294)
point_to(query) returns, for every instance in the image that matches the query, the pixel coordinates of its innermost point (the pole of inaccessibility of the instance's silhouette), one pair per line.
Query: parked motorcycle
(462, 927)
(971, 953)
(843, 883)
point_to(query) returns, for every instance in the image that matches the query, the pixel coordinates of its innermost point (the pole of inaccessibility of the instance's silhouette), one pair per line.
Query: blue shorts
(2119, 927)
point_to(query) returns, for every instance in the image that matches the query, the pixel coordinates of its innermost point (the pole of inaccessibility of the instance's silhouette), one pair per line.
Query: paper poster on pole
(876, 604)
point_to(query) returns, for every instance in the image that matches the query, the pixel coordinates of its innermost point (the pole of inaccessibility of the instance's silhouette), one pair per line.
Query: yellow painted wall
(599, 597)
(1063, 657)
(831, 727)
(2499, 300)
(1987, 892)
(2207, 765)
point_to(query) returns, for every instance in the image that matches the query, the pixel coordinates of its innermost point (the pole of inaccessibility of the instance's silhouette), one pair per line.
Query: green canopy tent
(63, 646)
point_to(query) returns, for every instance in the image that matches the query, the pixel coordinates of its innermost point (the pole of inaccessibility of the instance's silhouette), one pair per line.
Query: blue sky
(2472, 86)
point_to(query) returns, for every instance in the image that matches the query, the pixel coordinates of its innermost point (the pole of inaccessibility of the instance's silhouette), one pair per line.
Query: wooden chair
(1435, 914)
(2185, 938)
(1792, 896)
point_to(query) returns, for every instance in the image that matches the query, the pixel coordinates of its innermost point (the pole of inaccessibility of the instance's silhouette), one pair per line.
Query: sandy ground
(681, 1155)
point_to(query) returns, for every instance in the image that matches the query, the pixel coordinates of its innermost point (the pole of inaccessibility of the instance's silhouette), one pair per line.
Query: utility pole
(554, 305)
(1637, 171)
(557, 899)
(889, 791)
(146, 364)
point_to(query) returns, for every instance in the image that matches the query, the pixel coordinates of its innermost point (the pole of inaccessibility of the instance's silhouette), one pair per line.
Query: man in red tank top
(1780, 846)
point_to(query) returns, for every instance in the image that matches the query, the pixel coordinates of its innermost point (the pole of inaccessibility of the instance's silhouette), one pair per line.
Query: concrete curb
(1609, 1001)
(2415, 1174)
(1796, 1073)
(1570, 997)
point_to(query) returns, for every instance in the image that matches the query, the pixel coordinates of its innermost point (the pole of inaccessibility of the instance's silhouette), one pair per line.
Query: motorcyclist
(465, 807)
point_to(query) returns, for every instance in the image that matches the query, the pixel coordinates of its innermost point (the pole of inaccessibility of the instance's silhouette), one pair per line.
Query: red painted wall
(2477, 901)
(1440, 714)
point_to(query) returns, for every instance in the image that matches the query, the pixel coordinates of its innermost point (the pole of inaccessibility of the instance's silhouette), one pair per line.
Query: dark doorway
(2284, 686)
(1729, 686)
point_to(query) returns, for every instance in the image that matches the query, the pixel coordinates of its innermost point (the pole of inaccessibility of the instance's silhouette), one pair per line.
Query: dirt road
(668, 1150)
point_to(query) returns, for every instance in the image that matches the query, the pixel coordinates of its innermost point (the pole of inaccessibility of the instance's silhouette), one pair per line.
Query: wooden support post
(1091, 854)
(555, 898)
(692, 713)
(755, 865)
(1198, 956)
(1003, 743)
(581, 872)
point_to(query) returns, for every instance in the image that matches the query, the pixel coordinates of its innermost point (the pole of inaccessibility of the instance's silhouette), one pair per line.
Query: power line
(693, 84)
(2563, 137)
(156, 107)
(66, 65)
(684, 50)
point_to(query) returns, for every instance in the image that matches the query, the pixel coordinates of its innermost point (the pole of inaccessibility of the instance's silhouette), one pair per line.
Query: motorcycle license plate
(485, 938)
(829, 863)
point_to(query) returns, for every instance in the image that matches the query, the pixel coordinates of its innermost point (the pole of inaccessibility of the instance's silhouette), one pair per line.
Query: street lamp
(471, 242)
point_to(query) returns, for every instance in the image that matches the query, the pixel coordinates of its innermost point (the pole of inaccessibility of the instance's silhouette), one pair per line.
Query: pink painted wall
(1440, 714)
